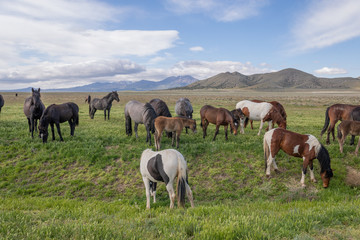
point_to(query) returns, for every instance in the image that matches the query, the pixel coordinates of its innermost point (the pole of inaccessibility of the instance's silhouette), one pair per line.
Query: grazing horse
(263, 112)
(33, 109)
(345, 128)
(56, 114)
(239, 118)
(174, 125)
(278, 107)
(161, 109)
(102, 104)
(333, 114)
(165, 166)
(297, 145)
(140, 113)
(1, 102)
(184, 108)
(217, 116)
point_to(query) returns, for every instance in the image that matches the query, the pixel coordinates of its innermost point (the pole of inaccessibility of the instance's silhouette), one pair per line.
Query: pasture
(90, 186)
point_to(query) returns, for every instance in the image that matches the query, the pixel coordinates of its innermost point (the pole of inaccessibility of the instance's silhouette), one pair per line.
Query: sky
(68, 43)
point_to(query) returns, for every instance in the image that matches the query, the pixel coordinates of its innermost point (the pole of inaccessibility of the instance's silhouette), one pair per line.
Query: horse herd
(166, 165)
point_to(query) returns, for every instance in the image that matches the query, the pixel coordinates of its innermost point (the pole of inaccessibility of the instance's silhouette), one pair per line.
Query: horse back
(341, 111)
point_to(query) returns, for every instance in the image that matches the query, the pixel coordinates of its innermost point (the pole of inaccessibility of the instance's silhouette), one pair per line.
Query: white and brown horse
(165, 166)
(277, 105)
(264, 112)
(297, 145)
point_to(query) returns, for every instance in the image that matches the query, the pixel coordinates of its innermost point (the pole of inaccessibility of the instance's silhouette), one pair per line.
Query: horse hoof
(268, 176)
(314, 180)
(277, 171)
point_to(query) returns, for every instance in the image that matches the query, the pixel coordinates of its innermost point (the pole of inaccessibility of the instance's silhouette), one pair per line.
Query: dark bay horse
(239, 118)
(333, 114)
(2, 101)
(161, 109)
(278, 106)
(174, 125)
(140, 113)
(217, 116)
(184, 108)
(294, 144)
(165, 166)
(56, 114)
(102, 104)
(345, 128)
(33, 110)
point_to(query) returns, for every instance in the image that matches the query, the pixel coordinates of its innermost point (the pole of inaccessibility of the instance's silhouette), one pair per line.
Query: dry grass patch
(352, 177)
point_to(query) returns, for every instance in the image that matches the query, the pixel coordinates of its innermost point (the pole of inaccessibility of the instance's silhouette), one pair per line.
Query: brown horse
(297, 145)
(333, 114)
(278, 106)
(174, 125)
(345, 128)
(217, 116)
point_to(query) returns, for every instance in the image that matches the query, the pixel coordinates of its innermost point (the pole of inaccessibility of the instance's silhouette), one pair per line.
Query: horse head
(115, 96)
(35, 97)
(43, 129)
(326, 171)
(193, 125)
(239, 118)
(325, 176)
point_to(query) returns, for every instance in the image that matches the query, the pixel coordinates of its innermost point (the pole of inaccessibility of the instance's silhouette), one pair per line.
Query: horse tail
(266, 150)
(182, 181)
(327, 121)
(339, 133)
(128, 125)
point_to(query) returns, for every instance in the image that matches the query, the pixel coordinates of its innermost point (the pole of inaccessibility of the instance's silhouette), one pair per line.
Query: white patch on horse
(313, 142)
(296, 149)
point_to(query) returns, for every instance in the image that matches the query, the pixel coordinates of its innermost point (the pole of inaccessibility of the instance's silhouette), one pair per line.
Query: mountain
(143, 85)
(289, 78)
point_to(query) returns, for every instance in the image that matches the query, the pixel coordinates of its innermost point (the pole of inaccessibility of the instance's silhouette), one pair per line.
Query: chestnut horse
(297, 145)
(174, 125)
(333, 114)
(217, 116)
(345, 128)
(264, 112)
(278, 107)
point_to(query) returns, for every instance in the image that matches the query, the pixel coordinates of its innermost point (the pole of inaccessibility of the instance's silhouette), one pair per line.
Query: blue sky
(66, 43)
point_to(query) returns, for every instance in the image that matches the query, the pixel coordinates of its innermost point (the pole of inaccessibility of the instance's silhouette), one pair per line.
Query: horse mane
(108, 95)
(149, 112)
(324, 160)
(160, 107)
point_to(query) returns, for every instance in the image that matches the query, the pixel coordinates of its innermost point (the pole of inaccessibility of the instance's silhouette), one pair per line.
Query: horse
(278, 107)
(33, 109)
(140, 113)
(165, 166)
(184, 108)
(56, 114)
(161, 109)
(264, 112)
(174, 125)
(102, 104)
(239, 118)
(333, 114)
(345, 128)
(297, 145)
(217, 116)
(2, 101)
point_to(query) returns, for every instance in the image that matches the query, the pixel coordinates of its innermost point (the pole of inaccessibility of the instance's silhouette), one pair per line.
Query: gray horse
(140, 113)
(102, 104)
(1, 102)
(33, 109)
(184, 108)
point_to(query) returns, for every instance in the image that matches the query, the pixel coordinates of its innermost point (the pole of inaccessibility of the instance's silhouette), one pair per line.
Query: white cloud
(327, 22)
(224, 11)
(330, 71)
(197, 49)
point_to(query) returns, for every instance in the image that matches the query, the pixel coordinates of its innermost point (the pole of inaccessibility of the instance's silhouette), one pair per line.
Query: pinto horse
(279, 107)
(345, 128)
(297, 145)
(56, 114)
(104, 103)
(33, 110)
(217, 116)
(264, 112)
(172, 125)
(165, 166)
(239, 118)
(333, 114)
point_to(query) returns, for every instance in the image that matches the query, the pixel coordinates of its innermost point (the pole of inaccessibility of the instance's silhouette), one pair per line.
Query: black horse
(183, 108)
(102, 104)
(56, 114)
(161, 109)
(33, 109)
(1, 102)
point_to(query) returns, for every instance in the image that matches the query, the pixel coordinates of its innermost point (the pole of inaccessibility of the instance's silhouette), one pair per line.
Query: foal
(348, 127)
(174, 125)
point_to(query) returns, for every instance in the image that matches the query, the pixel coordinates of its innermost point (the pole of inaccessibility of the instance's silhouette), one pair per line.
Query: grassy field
(90, 187)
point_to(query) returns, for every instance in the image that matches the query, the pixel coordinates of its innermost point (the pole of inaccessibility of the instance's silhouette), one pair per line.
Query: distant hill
(143, 85)
(284, 79)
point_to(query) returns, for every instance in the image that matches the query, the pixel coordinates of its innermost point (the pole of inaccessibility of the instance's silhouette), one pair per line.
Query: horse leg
(153, 190)
(147, 191)
(135, 129)
(216, 131)
(109, 114)
(251, 124)
(260, 128)
(341, 142)
(226, 131)
(311, 167)
(352, 141)
(204, 127)
(170, 189)
(148, 135)
(59, 131)
(105, 114)
(173, 138)
(72, 127)
(178, 139)
(303, 173)
(272, 152)
(357, 148)
(189, 194)
(270, 125)
(32, 127)
(330, 129)
(52, 131)
(35, 125)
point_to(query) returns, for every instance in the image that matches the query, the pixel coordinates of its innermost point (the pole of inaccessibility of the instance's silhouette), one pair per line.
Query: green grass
(90, 187)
